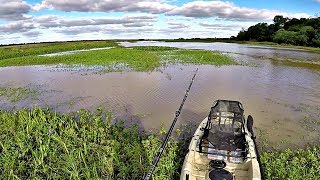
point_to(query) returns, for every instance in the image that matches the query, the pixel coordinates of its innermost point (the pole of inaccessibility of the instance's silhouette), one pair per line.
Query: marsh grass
(313, 65)
(272, 44)
(15, 94)
(47, 48)
(155, 48)
(202, 57)
(137, 58)
(40, 144)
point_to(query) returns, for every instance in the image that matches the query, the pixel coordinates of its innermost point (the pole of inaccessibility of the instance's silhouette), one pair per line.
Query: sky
(26, 21)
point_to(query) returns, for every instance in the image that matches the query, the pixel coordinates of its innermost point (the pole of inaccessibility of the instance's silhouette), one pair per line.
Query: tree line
(302, 32)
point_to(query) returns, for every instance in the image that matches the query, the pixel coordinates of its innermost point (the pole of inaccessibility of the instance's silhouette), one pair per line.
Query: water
(248, 50)
(284, 101)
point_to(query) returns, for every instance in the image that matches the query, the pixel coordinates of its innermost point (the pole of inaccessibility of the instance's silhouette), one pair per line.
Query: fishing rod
(164, 143)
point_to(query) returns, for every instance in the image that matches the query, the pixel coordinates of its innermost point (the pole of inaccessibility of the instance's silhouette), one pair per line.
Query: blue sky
(23, 21)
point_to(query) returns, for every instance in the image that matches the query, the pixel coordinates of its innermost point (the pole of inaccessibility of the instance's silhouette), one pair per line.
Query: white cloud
(193, 19)
(32, 34)
(211, 25)
(17, 27)
(155, 7)
(130, 20)
(14, 9)
(70, 26)
(224, 10)
(107, 30)
(176, 25)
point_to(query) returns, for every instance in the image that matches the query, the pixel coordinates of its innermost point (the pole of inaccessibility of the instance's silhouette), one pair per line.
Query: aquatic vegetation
(310, 64)
(39, 144)
(136, 58)
(201, 57)
(197, 56)
(292, 164)
(14, 94)
(155, 48)
(46, 48)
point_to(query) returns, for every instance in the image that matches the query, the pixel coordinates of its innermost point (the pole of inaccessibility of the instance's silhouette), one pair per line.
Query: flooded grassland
(143, 83)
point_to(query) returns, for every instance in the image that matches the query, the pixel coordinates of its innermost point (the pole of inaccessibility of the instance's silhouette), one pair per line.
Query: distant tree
(283, 36)
(279, 21)
(291, 22)
(316, 39)
(290, 37)
(314, 22)
(255, 32)
(242, 35)
(295, 28)
(309, 32)
(272, 28)
(300, 40)
(303, 31)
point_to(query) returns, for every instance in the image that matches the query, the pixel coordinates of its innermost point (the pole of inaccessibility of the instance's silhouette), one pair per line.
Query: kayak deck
(236, 150)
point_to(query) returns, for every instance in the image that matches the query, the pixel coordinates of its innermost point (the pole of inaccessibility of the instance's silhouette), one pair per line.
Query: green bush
(39, 144)
(290, 37)
(292, 164)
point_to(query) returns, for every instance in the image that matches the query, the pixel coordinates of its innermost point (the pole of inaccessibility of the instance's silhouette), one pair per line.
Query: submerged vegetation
(82, 145)
(137, 58)
(315, 65)
(14, 94)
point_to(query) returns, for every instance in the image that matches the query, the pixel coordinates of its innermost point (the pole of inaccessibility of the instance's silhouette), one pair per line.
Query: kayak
(223, 146)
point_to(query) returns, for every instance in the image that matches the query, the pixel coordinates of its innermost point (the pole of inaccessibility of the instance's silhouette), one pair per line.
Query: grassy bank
(46, 48)
(137, 58)
(271, 44)
(314, 65)
(39, 144)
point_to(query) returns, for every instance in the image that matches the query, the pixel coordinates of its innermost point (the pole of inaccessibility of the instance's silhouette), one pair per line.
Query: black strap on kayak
(164, 143)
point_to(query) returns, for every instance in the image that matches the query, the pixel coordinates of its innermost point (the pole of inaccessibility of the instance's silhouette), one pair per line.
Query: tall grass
(39, 144)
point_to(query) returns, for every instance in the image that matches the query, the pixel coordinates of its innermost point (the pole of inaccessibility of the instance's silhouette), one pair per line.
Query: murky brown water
(284, 101)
